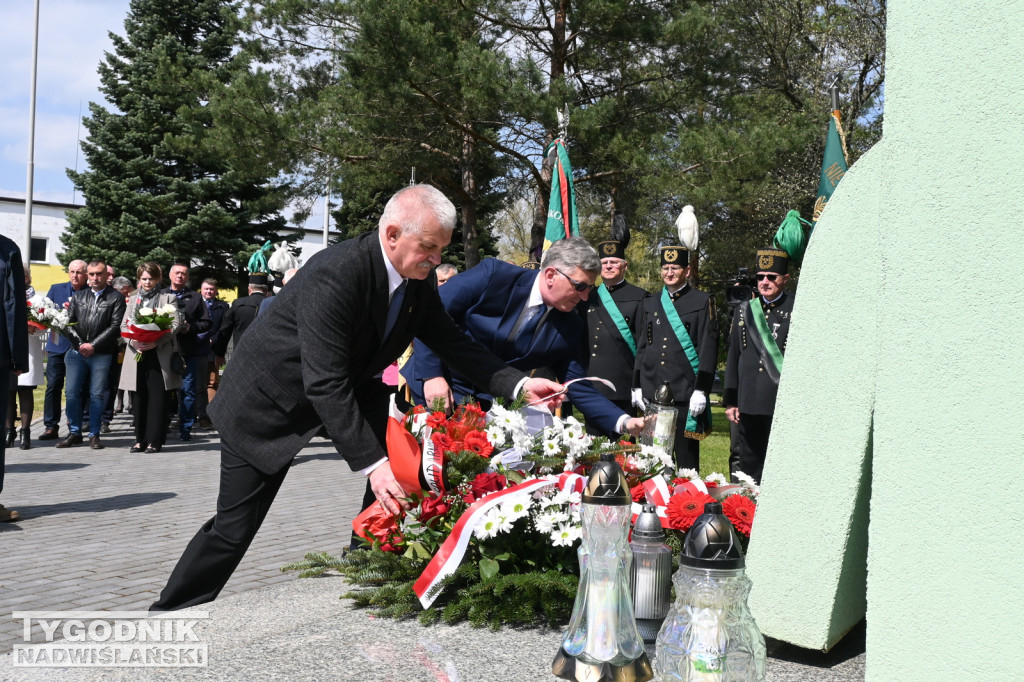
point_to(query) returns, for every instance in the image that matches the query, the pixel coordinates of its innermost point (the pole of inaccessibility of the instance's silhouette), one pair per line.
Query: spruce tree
(156, 188)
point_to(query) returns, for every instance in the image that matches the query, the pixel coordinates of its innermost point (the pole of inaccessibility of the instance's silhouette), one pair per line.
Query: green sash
(617, 318)
(694, 429)
(770, 346)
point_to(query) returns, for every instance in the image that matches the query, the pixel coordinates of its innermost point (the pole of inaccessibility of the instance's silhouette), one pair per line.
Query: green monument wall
(893, 480)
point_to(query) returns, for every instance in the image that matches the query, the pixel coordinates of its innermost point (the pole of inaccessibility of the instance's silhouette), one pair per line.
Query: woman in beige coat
(151, 377)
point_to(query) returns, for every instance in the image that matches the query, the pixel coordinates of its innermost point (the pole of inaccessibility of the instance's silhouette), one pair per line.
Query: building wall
(49, 221)
(898, 448)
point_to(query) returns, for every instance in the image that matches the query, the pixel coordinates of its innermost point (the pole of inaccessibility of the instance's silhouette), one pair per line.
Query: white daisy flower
(516, 507)
(564, 535)
(487, 527)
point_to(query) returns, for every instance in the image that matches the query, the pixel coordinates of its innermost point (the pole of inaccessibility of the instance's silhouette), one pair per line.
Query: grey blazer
(312, 359)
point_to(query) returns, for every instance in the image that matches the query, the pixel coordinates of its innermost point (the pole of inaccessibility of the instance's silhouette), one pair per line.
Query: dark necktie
(394, 307)
(525, 335)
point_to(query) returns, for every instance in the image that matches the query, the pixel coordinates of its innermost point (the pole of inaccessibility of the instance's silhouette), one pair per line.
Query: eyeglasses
(770, 278)
(580, 287)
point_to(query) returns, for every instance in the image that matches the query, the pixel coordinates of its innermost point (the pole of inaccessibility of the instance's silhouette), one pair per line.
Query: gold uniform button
(760, 369)
(663, 362)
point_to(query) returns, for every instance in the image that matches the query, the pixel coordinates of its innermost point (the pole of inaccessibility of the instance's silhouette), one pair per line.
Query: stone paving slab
(101, 530)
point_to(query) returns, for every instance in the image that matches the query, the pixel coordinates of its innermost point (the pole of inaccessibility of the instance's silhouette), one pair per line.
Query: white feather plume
(689, 232)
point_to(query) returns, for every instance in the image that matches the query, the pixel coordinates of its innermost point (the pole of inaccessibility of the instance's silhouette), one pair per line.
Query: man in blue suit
(527, 318)
(57, 346)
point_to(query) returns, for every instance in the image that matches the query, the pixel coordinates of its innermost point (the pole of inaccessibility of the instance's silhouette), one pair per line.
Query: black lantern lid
(647, 528)
(712, 542)
(607, 484)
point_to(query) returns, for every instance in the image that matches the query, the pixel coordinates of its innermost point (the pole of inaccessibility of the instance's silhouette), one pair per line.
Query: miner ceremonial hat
(675, 255)
(530, 265)
(772, 260)
(258, 279)
(611, 249)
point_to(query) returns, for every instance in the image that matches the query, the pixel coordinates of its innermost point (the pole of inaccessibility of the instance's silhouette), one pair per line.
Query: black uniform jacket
(610, 355)
(660, 356)
(315, 357)
(747, 386)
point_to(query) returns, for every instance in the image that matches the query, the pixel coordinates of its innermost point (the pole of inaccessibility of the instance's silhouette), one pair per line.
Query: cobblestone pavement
(100, 530)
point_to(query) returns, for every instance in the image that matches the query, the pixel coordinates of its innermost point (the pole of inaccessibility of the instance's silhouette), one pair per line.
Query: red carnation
(684, 508)
(486, 483)
(638, 494)
(710, 484)
(478, 443)
(678, 481)
(433, 507)
(436, 420)
(740, 510)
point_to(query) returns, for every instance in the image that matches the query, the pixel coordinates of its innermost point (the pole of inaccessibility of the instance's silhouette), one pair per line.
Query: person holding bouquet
(23, 385)
(147, 362)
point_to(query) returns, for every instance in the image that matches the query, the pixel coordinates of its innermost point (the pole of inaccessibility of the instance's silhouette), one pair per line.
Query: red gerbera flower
(684, 508)
(436, 420)
(740, 510)
(443, 442)
(478, 443)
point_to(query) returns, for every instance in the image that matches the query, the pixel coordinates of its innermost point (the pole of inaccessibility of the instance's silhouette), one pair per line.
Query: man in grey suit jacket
(315, 359)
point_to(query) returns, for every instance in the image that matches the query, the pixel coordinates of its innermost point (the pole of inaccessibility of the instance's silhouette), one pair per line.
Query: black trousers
(687, 449)
(246, 494)
(749, 444)
(150, 405)
(216, 550)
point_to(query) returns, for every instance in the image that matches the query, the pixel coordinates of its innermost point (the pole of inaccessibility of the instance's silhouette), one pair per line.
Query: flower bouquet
(150, 324)
(43, 314)
(494, 527)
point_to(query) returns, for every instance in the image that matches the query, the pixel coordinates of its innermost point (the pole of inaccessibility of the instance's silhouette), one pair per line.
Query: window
(37, 250)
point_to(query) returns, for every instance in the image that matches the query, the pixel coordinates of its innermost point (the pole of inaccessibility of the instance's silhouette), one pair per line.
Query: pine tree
(156, 188)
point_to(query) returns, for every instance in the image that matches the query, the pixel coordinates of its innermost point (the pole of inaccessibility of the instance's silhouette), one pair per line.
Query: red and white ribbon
(449, 557)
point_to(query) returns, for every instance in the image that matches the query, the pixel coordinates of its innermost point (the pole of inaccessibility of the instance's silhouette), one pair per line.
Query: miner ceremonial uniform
(613, 316)
(687, 362)
(754, 365)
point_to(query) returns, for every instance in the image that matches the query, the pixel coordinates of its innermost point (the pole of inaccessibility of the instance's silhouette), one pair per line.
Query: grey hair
(446, 269)
(120, 283)
(574, 252)
(402, 209)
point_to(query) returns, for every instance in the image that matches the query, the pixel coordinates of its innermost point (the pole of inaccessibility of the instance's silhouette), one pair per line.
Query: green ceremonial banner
(562, 221)
(833, 165)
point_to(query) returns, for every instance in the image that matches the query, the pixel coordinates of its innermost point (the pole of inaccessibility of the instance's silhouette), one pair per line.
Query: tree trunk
(559, 50)
(470, 236)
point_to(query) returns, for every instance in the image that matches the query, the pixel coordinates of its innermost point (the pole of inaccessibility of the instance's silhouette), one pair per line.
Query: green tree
(156, 188)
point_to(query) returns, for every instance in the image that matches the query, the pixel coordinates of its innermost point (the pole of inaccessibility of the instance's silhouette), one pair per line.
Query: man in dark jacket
(757, 344)
(241, 313)
(315, 360)
(96, 314)
(209, 367)
(195, 319)
(13, 337)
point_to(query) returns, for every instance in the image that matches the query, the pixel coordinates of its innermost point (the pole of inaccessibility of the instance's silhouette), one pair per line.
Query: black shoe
(26, 439)
(12, 433)
(50, 434)
(184, 435)
(72, 440)
(137, 448)
(153, 448)
(205, 423)
(105, 428)
(95, 444)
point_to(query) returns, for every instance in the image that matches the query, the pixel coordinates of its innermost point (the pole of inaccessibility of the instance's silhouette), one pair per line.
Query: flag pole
(26, 241)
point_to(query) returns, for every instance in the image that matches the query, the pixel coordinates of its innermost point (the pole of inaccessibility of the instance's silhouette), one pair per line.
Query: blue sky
(72, 40)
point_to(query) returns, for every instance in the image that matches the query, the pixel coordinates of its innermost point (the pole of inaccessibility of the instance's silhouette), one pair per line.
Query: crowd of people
(347, 321)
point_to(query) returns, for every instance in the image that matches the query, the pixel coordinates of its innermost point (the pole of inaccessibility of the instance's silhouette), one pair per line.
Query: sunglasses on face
(770, 278)
(580, 287)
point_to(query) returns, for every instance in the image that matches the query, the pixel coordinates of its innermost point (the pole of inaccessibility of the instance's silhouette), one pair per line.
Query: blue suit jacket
(59, 294)
(485, 302)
